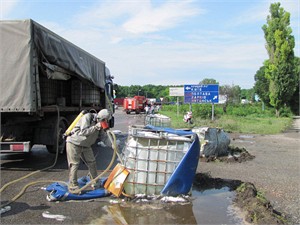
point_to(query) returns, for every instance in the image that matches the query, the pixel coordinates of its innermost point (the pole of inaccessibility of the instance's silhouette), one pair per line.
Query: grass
(237, 124)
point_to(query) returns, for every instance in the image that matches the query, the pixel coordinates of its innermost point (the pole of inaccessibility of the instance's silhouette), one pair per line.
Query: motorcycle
(187, 118)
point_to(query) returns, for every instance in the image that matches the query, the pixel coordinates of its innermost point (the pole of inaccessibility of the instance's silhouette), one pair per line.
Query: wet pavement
(212, 206)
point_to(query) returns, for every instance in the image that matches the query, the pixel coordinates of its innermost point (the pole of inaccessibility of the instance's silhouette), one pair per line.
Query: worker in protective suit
(83, 136)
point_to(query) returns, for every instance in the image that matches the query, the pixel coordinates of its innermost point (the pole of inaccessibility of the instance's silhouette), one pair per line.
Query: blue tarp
(170, 130)
(181, 180)
(59, 191)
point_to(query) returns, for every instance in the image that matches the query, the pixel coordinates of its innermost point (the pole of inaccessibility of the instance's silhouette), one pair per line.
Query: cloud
(107, 13)
(153, 19)
(130, 43)
(137, 17)
(6, 6)
(168, 42)
(181, 62)
(253, 14)
(260, 10)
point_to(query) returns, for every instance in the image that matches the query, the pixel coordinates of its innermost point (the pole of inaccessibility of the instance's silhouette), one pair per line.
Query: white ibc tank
(158, 120)
(151, 158)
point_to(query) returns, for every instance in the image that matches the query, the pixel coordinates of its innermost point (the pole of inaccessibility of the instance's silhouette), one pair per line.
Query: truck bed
(36, 59)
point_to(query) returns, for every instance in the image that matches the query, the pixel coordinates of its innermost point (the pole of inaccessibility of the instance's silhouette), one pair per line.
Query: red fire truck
(136, 104)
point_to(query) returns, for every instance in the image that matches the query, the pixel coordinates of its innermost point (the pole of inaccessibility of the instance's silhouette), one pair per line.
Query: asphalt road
(275, 170)
(33, 207)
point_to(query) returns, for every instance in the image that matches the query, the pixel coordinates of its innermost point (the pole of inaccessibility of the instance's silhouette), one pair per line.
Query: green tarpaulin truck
(46, 81)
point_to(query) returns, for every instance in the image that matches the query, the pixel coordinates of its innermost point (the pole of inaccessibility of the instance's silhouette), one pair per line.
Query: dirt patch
(257, 208)
(235, 155)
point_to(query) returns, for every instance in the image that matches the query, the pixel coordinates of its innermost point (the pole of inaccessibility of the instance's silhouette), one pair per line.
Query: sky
(159, 42)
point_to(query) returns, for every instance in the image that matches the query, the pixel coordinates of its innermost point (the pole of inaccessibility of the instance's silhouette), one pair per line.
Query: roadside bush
(285, 112)
(204, 111)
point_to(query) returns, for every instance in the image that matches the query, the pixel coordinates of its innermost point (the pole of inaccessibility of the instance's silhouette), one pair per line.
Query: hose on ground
(37, 171)
(112, 139)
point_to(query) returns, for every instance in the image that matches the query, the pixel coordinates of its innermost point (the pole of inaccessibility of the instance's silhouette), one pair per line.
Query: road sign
(202, 93)
(176, 91)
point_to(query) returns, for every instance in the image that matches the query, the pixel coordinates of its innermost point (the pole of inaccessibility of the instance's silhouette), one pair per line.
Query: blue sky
(163, 42)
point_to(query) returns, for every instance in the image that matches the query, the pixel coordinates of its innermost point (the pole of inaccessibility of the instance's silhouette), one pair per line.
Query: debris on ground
(235, 154)
(204, 181)
(214, 141)
(259, 209)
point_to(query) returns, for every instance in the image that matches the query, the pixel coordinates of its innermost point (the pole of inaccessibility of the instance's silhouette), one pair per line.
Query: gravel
(275, 170)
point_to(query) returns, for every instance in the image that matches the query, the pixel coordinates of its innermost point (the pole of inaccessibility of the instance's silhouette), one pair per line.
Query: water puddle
(246, 136)
(212, 206)
(245, 139)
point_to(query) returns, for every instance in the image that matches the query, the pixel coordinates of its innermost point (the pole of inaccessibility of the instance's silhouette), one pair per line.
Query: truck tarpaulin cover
(20, 41)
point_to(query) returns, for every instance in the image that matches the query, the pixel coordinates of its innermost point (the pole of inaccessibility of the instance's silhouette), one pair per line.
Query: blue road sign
(202, 93)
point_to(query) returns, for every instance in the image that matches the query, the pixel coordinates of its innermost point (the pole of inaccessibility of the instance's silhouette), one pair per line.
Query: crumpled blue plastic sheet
(181, 180)
(59, 191)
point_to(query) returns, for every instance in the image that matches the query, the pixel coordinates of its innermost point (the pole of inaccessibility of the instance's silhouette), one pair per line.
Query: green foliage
(202, 110)
(262, 83)
(254, 109)
(261, 197)
(232, 92)
(150, 91)
(294, 102)
(241, 188)
(281, 65)
(248, 94)
(285, 112)
(208, 81)
(247, 118)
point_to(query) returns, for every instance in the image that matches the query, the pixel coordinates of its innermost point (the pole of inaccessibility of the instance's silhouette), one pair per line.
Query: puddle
(246, 136)
(212, 206)
(245, 141)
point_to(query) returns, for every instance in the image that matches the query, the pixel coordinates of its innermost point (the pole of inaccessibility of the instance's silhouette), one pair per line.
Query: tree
(232, 92)
(208, 81)
(294, 103)
(248, 94)
(262, 83)
(281, 67)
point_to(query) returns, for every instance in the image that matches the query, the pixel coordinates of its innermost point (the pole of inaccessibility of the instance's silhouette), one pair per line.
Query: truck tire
(61, 142)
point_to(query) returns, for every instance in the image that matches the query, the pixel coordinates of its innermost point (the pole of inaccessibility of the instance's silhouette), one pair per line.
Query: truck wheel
(61, 142)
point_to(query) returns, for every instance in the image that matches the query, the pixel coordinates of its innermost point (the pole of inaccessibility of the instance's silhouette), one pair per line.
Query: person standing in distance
(83, 136)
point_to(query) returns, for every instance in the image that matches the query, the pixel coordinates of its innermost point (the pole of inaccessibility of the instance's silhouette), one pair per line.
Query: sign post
(176, 91)
(202, 93)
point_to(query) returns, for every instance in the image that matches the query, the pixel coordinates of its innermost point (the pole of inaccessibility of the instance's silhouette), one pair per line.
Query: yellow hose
(30, 174)
(73, 124)
(112, 138)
